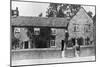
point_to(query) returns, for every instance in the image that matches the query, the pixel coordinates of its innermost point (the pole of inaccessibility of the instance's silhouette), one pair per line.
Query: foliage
(62, 10)
(94, 18)
(40, 15)
(15, 41)
(90, 13)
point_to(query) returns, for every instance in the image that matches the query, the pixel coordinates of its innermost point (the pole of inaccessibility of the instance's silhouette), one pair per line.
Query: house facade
(39, 32)
(41, 38)
(81, 28)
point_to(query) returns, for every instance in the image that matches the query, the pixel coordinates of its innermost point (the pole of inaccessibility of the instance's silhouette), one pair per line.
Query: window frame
(87, 28)
(53, 43)
(53, 31)
(36, 30)
(76, 28)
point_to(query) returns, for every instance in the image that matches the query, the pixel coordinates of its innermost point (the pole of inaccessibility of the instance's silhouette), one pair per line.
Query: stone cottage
(40, 32)
(81, 28)
(48, 32)
(30, 34)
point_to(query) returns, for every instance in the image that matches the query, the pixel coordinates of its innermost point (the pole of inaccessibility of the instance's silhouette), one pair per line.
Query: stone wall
(36, 54)
(48, 53)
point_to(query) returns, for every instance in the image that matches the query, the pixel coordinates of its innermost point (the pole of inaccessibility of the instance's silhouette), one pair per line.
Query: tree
(94, 18)
(62, 10)
(90, 13)
(40, 15)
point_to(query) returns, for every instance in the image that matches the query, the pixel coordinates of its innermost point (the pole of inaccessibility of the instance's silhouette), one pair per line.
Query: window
(52, 43)
(16, 30)
(36, 31)
(76, 27)
(87, 27)
(53, 31)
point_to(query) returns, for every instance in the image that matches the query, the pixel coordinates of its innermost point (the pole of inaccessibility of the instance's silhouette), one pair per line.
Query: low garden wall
(48, 53)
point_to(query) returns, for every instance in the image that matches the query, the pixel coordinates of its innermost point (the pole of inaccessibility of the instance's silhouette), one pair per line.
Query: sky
(34, 9)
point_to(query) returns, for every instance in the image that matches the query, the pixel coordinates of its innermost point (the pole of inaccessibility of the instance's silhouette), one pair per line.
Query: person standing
(64, 43)
(77, 49)
(62, 48)
(66, 37)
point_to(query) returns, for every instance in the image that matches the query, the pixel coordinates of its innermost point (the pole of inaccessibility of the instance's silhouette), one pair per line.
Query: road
(47, 61)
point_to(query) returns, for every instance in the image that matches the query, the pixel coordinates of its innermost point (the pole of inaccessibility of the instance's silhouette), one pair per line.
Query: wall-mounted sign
(16, 30)
(36, 31)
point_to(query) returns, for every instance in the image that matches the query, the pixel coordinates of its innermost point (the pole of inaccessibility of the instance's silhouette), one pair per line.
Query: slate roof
(39, 21)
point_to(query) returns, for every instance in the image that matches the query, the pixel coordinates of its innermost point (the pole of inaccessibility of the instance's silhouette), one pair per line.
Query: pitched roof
(82, 15)
(39, 21)
(80, 18)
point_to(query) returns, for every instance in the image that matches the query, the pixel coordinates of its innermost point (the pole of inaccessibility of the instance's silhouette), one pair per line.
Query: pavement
(49, 61)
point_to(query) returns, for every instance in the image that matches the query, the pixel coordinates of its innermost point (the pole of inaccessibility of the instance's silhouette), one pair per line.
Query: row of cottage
(40, 32)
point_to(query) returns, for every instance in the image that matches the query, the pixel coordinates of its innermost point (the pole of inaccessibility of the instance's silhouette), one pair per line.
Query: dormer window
(36, 31)
(16, 30)
(53, 31)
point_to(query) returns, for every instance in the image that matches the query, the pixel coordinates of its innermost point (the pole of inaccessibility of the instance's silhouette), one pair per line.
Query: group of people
(76, 47)
(64, 46)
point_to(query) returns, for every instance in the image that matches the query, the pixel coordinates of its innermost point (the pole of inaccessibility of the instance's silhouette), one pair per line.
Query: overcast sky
(34, 9)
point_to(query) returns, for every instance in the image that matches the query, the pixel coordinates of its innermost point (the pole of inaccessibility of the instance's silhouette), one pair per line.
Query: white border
(5, 33)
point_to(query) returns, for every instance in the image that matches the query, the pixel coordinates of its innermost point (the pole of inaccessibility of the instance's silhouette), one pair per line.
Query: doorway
(42, 41)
